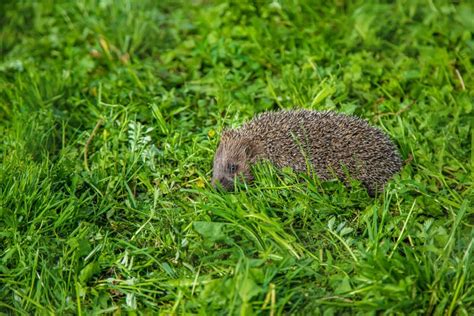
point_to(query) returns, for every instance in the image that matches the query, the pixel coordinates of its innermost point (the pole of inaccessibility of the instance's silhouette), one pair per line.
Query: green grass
(123, 219)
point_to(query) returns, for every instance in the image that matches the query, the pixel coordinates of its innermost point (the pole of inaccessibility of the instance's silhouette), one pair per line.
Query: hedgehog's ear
(249, 147)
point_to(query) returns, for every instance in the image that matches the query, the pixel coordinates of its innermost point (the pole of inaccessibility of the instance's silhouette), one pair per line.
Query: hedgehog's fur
(335, 145)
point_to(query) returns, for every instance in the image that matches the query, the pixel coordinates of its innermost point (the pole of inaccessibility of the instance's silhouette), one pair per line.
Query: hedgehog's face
(232, 160)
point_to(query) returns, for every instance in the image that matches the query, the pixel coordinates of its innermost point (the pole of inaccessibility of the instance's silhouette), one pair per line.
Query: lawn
(110, 113)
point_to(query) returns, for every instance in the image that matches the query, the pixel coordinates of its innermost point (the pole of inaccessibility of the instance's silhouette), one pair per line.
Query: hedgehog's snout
(221, 182)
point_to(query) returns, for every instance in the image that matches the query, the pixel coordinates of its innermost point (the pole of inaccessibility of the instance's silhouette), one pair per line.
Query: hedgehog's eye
(232, 167)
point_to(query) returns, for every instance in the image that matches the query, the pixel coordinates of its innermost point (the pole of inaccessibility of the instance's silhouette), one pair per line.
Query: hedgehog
(333, 145)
